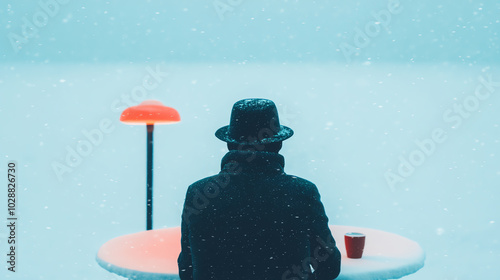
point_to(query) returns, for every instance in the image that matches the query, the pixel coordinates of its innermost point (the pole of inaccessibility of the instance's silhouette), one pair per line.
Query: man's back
(252, 221)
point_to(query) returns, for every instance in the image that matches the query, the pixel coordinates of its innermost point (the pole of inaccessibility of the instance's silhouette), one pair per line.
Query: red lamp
(150, 112)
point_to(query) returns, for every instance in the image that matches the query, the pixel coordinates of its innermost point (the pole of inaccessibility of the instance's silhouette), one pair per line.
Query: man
(252, 221)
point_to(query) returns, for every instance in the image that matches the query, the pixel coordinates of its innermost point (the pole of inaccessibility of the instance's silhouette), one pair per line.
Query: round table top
(153, 255)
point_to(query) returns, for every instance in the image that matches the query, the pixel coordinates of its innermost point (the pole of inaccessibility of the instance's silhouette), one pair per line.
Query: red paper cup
(354, 244)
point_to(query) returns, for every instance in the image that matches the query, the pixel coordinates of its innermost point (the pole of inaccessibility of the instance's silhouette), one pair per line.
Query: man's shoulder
(291, 182)
(204, 181)
(299, 182)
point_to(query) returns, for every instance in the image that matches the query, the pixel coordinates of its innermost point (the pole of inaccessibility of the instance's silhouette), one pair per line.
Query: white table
(386, 255)
(153, 255)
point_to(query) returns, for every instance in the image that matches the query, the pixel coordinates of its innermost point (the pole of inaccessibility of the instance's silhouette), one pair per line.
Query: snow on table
(386, 255)
(153, 255)
(149, 254)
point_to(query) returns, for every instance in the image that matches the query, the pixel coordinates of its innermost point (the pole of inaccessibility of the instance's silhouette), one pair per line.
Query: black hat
(254, 121)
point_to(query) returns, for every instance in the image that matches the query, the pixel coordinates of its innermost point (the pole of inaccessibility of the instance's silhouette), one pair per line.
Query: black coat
(253, 222)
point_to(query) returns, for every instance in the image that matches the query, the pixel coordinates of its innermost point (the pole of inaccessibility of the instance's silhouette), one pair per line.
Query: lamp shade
(150, 112)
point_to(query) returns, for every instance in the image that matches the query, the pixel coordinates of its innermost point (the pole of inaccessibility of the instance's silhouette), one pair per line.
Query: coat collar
(252, 161)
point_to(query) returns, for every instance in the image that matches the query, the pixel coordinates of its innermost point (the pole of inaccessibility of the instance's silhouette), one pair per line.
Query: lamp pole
(149, 179)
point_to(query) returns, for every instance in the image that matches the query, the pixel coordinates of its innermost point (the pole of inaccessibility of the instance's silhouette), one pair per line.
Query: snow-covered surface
(153, 255)
(386, 255)
(352, 124)
(148, 254)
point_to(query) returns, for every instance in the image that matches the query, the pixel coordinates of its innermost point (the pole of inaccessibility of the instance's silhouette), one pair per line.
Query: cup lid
(355, 234)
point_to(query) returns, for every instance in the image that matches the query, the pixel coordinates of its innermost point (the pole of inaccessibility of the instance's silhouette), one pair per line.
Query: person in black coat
(252, 221)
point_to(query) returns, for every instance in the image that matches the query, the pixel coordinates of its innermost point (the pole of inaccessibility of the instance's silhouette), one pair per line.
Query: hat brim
(284, 133)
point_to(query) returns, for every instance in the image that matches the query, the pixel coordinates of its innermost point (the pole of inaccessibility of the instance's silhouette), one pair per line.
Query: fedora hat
(254, 121)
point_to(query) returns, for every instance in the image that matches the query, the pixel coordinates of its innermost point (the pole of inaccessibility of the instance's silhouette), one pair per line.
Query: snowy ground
(352, 125)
